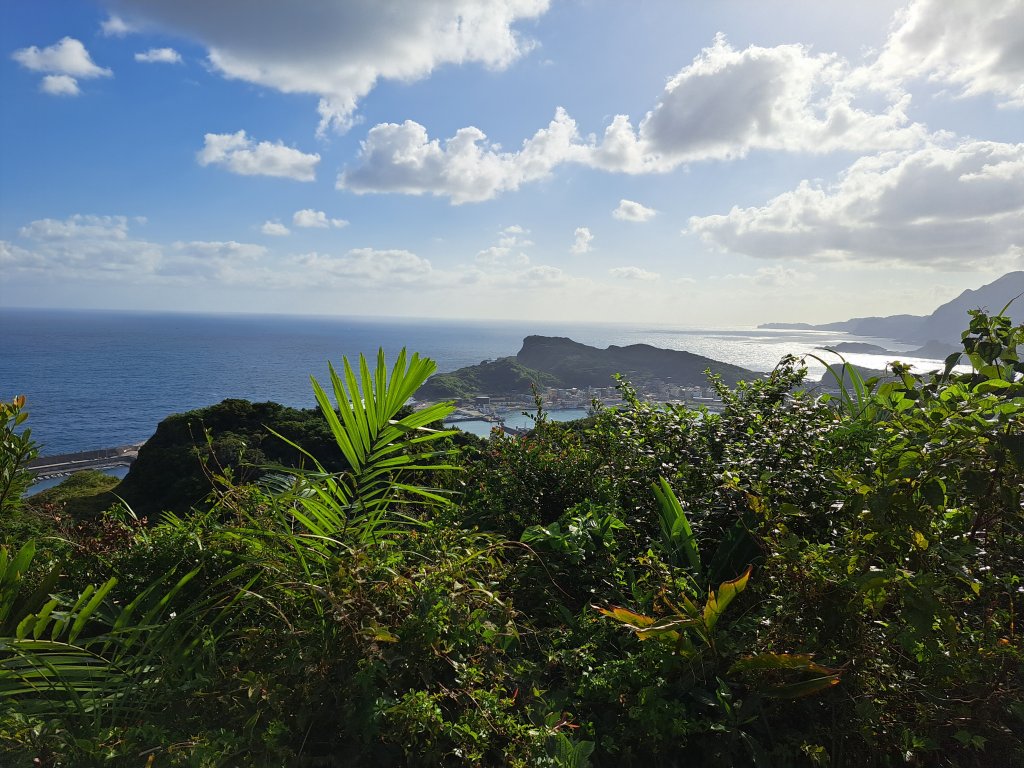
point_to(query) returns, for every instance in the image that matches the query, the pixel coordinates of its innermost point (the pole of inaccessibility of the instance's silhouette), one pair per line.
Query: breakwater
(46, 467)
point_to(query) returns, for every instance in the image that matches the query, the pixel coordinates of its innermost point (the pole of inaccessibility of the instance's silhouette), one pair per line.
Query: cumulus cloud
(722, 106)
(63, 62)
(947, 207)
(367, 265)
(59, 85)
(729, 102)
(275, 228)
(466, 168)
(507, 253)
(308, 217)
(67, 57)
(633, 273)
(242, 155)
(974, 47)
(340, 50)
(582, 243)
(159, 56)
(629, 210)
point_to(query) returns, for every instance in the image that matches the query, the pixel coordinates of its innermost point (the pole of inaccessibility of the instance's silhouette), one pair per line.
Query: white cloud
(218, 249)
(629, 210)
(724, 105)
(308, 217)
(274, 228)
(728, 102)
(507, 253)
(239, 154)
(402, 158)
(64, 62)
(975, 47)
(115, 26)
(84, 247)
(340, 50)
(59, 85)
(15, 257)
(366, 265)
(582, 243)
(544, 274)
(944, 207)
(218, 261)
(633, 273)
(510, 237)
(78, 226)
(159, 56)
(67, 57)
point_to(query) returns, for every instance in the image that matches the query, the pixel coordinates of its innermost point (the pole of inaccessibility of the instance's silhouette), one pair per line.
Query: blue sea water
(97, 379)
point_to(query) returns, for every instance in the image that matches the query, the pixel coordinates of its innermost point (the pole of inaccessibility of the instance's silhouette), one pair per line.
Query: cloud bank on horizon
(786, 166)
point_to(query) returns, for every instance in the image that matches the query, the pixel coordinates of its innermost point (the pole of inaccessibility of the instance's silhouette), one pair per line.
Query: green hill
(504, 376)
(554, 361)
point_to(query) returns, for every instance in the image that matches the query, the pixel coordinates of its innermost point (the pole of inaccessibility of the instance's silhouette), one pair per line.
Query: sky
(658, 161)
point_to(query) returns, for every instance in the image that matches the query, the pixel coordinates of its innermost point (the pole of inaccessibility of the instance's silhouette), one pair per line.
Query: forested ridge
(556, 361)
(800, 580)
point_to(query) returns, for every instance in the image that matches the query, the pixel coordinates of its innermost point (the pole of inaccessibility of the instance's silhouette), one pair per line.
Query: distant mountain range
(551, 361)
(940, 329)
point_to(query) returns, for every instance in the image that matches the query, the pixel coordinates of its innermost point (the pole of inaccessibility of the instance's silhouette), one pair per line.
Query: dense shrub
(794, 581)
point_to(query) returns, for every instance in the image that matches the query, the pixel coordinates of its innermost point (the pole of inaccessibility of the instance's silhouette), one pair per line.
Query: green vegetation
(796, 581)
(552, 361)
(503, 376)
(83, 494)
(175, 467)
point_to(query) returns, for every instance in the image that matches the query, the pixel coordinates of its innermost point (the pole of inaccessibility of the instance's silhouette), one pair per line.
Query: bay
(97, 379)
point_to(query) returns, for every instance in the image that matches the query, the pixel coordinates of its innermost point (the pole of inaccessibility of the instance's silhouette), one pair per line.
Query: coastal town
(493, 409)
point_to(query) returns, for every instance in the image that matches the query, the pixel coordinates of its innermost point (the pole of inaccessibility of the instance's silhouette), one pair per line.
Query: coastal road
(107, 458)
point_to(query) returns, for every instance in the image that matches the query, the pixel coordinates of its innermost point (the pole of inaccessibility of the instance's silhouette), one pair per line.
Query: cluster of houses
(490, 408)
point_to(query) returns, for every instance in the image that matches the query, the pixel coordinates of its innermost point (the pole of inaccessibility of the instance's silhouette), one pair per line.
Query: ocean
(98, 379)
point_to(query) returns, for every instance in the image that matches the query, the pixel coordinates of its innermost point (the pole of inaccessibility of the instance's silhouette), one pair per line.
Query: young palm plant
(381, 447)
(90, 667)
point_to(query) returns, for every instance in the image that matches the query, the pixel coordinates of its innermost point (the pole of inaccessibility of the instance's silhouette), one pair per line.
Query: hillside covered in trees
(800, 580)
(555, 361)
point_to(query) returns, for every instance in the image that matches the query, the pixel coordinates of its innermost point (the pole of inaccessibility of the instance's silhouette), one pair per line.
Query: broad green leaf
(718, 601)
(676, 530)
(627, 617)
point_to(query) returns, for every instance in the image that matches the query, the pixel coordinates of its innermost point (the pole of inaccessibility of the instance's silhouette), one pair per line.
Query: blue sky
(685, 163)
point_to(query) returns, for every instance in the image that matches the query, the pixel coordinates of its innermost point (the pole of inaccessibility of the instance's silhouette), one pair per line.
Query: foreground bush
(795, 581)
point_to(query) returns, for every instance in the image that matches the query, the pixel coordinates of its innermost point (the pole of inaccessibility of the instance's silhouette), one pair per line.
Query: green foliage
(175, 468)
(518, 481)
(17, 449)
(495, 377)
(784, 583)
(82, 495)
(380, 450)
(856, 394)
